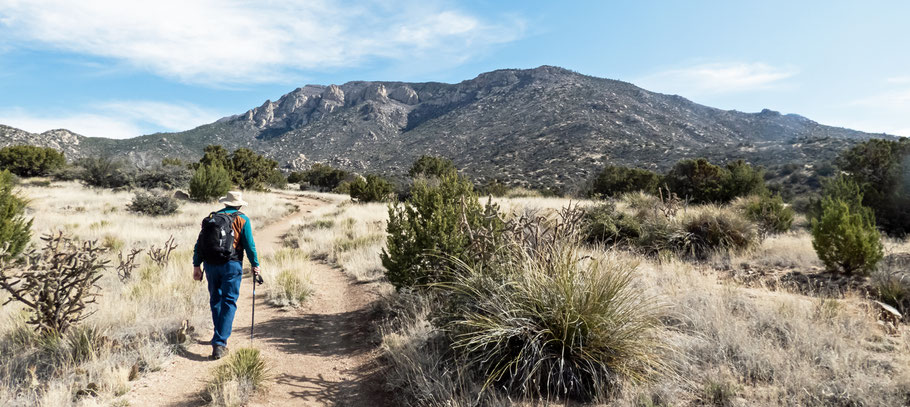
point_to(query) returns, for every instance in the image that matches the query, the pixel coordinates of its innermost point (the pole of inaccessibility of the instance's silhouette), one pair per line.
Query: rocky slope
(543, 126)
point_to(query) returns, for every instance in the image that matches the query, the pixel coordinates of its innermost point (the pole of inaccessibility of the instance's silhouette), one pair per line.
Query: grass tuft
(289, 289)
(559, 325)
(238, 378)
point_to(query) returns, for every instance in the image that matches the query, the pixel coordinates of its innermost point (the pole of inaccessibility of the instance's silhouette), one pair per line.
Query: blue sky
(116, 68)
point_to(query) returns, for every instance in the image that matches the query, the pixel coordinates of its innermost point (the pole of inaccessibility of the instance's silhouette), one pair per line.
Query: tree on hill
(31, 161)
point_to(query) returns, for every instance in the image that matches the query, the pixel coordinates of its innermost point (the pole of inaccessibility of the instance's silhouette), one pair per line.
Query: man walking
(225, 236)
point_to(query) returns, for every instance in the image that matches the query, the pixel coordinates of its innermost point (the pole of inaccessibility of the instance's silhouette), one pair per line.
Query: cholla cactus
(162, 255)
(56, 283)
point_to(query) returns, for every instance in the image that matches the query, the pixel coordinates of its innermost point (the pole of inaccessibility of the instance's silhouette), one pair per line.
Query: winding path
(323, 354)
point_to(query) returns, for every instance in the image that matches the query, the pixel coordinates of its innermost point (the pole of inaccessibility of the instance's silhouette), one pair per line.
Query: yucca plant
(239, 377)
(560, 325)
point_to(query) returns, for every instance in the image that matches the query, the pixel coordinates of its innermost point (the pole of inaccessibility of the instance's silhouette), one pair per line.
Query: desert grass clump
(556, 324)
(768, 211)
(152, 204)
(717, 229)
(845, 237)
(290, 289)
(605, 224)
(238, 378)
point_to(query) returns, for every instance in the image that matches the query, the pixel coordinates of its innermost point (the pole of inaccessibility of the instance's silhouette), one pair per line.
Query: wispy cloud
(115, 119)
(234, 41)
(887, 110)
(717, 78)
(897, 99)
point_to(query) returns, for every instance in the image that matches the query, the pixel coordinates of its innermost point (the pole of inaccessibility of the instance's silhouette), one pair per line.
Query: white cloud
(897, 100)
(881, 112)
(717, 78)
(235, 41)
(898, 80)
(116, 119)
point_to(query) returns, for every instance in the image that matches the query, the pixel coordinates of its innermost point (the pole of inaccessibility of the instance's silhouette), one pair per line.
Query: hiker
(225, 235)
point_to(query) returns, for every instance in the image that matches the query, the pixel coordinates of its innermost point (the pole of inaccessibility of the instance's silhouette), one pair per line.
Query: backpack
(216, 240)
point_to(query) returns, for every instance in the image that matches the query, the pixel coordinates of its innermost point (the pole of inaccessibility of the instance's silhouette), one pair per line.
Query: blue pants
(224, 289)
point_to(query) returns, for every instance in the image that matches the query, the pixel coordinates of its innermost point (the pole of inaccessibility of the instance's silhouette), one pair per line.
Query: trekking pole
(257, 279)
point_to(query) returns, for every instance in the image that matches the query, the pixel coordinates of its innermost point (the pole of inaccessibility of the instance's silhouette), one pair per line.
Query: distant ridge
(542, 126)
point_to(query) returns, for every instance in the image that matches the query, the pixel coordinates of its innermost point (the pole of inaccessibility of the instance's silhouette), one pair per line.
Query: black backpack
(216, 240)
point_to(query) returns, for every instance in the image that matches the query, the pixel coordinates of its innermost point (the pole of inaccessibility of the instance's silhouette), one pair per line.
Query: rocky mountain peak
(405, 94)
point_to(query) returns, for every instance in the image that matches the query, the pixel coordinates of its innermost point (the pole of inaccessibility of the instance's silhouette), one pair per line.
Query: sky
(119, 69)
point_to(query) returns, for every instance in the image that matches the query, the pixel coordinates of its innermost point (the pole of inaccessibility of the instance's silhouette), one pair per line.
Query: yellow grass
(142, 311)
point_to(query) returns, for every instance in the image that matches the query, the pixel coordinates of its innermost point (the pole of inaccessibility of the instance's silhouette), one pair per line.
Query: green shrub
(151, 204)
(15, 229)
(31, 161)
(699, 181)
(556, 325)
(166, 177)
(343, 188)
(881, 168)
(604, 224)
(769, 212)
(215, 155)
(276, 180)
(105, 172)
(238, 378)
(431, 166)
(325, 177)
(743, 180)
(715, 229)
(67, 173)
(209, 183)
(615, 180)
(296, 177)
(845, 238)
(433, 223)
(371, 188)
(251, 171)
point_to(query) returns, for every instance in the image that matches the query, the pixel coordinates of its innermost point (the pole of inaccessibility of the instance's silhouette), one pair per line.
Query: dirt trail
(320, 355)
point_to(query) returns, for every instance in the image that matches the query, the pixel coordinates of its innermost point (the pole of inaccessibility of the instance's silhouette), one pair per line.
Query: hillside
(540, 126)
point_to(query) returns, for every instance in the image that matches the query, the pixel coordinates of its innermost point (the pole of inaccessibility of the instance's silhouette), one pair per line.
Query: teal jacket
(243, 240)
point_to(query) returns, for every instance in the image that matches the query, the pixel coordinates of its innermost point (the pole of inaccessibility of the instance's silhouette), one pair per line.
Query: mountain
(542, 126)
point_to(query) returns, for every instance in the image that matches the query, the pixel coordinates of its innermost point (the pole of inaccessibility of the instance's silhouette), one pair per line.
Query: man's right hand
(197, 273)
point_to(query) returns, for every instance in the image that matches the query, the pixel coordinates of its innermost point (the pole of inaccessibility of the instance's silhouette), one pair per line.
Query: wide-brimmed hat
(233, 198)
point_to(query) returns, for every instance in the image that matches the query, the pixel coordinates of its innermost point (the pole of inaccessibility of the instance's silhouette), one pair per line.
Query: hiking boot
(218, 352)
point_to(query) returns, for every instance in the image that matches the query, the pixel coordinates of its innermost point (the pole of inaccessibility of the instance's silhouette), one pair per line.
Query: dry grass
(287, 281)
(346, 234)
(726, 344)
(138, 318)
(777, 348)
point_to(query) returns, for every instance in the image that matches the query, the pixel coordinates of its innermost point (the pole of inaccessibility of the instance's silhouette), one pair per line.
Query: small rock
(183, 196)
(134, 372)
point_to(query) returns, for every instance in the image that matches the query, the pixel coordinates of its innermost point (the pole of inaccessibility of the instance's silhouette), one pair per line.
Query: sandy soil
(323, 354)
